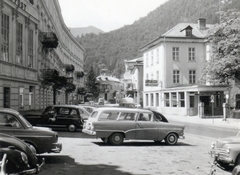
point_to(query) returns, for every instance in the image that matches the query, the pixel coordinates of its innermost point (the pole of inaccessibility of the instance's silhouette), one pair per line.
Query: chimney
(202, 23)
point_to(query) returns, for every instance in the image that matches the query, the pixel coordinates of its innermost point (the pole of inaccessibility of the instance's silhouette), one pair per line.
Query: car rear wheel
(171, 139)
(72, 128)
(116, 139)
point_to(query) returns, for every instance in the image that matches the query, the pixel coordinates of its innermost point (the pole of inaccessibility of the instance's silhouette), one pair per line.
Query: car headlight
(228, 150)
(24, 158)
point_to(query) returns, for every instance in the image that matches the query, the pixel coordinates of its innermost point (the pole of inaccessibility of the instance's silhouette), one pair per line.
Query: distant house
(133, 79)
(173, 64)
(110, 88)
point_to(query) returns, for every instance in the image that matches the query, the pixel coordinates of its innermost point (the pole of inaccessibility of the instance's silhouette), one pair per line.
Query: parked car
(17, 157)
(44, 140)
(113, 125)
(60, 116)
(226, 151)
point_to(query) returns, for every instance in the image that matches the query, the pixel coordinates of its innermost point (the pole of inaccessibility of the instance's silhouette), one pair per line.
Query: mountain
(109, 50)
(84, 30)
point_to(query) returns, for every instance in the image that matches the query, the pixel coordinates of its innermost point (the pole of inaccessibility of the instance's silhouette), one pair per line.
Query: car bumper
(221, 156)
(89, 132)
(33, 170)
(56, 148)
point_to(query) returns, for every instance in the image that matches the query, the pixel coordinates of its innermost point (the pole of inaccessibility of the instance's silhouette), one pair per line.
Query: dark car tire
(116, 138)
(72, 128)
(171, 139)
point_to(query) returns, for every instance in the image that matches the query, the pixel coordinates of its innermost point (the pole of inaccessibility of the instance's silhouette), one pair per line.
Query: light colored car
(113, 125)
(226, 151)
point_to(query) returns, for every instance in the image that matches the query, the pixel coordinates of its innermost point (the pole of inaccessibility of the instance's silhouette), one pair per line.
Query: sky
(107, 15)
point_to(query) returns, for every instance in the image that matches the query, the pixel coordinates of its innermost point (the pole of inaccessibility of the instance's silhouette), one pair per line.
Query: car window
(8, 120)
(64, 111)
(94, 114)
(145, 117)
(127, 116)
(74, 112)
(108, 115)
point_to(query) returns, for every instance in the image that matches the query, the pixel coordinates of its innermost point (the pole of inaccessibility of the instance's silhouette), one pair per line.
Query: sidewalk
(232, 123)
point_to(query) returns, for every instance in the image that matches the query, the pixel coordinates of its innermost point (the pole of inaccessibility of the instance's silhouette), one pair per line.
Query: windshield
(26, 123)
(94, 114)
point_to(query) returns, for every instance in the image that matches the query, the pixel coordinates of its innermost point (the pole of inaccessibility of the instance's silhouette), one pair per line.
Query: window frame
(175, 54)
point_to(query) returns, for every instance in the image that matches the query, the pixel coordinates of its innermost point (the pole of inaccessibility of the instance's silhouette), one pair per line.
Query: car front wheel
(116, 139)
(72, 128)
(171, 139)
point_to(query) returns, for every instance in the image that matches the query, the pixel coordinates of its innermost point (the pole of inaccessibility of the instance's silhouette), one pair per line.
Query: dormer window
(188, 31)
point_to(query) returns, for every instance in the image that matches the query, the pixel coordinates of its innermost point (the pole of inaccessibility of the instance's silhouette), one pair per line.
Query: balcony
(69, 68)
(49, 39)
(79, 74)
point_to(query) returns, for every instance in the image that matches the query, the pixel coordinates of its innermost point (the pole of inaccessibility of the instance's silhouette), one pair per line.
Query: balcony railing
(49, 39)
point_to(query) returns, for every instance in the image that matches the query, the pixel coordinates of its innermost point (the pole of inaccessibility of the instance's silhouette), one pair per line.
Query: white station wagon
(113, 125)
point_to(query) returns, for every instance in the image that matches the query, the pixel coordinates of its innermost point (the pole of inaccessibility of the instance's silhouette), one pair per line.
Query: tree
(224, 39)
(91, 84)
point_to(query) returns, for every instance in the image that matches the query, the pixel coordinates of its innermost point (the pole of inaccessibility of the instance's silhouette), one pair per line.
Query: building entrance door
(207, 104)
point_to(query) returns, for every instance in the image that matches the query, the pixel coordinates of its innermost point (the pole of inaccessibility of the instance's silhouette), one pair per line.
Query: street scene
(137, 157)
(120, 87)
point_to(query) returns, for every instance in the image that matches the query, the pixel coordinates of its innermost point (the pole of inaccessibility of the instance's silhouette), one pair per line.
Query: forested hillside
(109, 50)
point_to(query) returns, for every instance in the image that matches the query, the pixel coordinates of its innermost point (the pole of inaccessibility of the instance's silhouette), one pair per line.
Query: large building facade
(173, 65)
(35, 42)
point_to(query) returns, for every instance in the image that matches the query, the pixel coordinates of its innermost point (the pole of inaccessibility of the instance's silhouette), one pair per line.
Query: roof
(122, 109)
(177, 31)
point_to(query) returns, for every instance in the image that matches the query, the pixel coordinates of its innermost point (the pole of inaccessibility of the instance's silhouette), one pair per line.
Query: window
(108, 115)
(157, 75)
(146, 60)
(19, 42)
(21, 97)
(31, 1)
(166, 99)
(30, 48)
(31, 89)
(191, 54)
(181, 99)
(157, 99)
(175, 53)
(6, 97)
(157, 56)
(146, 99)
(174, 99)
(127, 116)
(192, 76)
(145, 117)
(8, 120)
(5, 37)
(151, 96)
(176, 76)
(151, 58)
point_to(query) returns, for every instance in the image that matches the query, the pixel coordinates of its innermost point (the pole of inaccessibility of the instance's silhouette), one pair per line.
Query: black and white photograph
(120, 87)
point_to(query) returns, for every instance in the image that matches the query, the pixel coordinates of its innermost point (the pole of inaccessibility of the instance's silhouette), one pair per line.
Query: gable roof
(177, 31)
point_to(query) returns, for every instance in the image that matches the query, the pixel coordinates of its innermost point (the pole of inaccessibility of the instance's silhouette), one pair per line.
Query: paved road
(82, 155)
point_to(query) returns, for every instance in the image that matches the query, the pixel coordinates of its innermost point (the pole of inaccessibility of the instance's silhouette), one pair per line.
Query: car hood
(227, 140)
